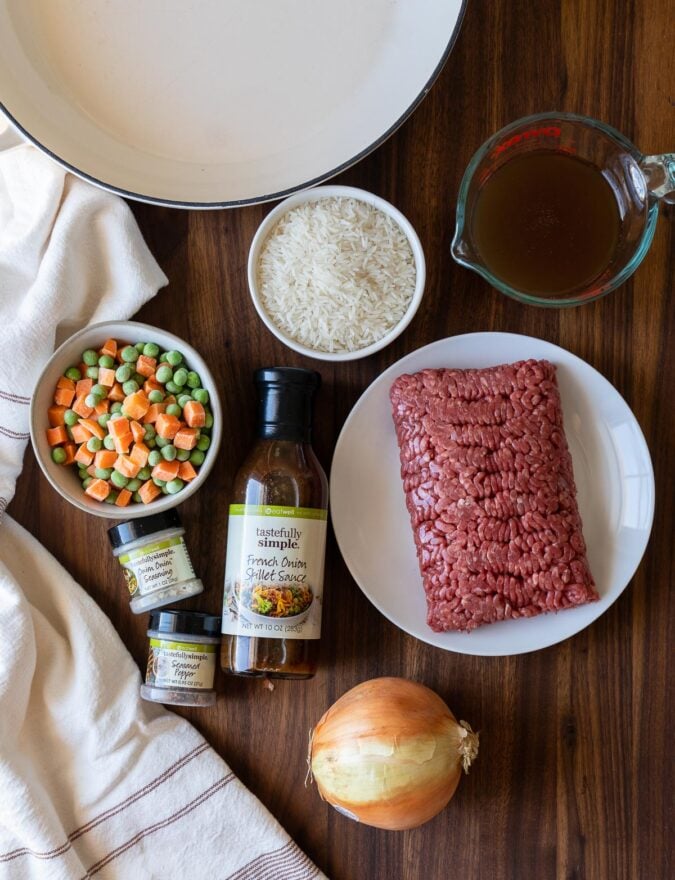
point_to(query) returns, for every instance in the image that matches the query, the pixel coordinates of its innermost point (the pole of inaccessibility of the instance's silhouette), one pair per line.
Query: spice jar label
(274, 571)
(156, 566)
(180, 664)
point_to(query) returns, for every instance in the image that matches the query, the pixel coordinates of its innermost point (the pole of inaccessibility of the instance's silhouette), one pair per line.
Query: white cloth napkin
(94, 781)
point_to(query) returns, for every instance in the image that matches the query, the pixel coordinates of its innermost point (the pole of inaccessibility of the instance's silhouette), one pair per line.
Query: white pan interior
(216, 101)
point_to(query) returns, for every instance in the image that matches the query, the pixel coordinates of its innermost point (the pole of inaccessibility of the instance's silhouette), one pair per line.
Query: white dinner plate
(612, 469)
(215, 103)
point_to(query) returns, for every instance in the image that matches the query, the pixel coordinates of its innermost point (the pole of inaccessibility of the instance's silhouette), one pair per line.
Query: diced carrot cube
(102, 407)
(63, 396)
(91, 470)
(123, 498)
(109, 347)
(139, 454)
(118, 427)
(57, 435)
(83, 387)
(55, 416)
(106, 377)
(146, 365)
(105, 458)
(116, 393)
(194, 414)
(65, 382)
(93, 427)
(167, 426)
(123, 443)
(138, 431)
(70, 450)
(83, 456)
(169, 399)
(136, 405)
(81, 408)
(149, 491)
(125, 466)
(151, 384)
(80, 434)
(166, 470)
(186, 471)
(98, 489)
(154, 412)
(82, 368)
(186, 438)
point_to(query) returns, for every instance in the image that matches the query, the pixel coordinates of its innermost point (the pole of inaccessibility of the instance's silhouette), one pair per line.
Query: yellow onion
(389, 753)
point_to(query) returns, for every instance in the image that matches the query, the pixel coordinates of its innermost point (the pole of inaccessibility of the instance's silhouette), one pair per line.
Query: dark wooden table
(575, 777)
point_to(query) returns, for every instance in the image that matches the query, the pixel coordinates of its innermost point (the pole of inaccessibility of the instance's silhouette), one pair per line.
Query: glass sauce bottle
(277, 538)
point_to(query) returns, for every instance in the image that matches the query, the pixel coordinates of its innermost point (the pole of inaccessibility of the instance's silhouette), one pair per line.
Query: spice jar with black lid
(182, 658)
(155, 560)
(277, 537)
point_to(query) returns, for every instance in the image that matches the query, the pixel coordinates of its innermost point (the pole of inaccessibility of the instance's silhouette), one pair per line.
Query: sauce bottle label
(274, 571)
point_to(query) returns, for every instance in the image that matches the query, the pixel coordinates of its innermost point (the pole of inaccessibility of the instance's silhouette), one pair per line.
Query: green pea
(134, 485)
(150, 349)
(140, 378)
(172, 388)
(118, 414)
(86, 483)
(197, 457)
(193, 380)
(124, 372)
(116, 407)
(139, 347)
(158, 482)
(92, 372)
(90, 357)
(208, 419)
(183, 454)
(144, 474)
(203, 443)
(137, 497)
(106, 361)
(103, 419)
(73, 373)
(174, 486)
(154, 458)
(94, 444)
(201, 395)
(164, 374)
(82, 473)
(92, 400)
(59, 455)
(100, 390)
(118, 479)
(183, 399)
(180, 376)
(130, 387)
(149, 432)
(70, 417)
(156, 396)
(103, 473)
(174, 358)
(109, 442)
(129, 354)
(174, 410)
(112, 497)
(151, 443)
(169, 452)
(161, 441)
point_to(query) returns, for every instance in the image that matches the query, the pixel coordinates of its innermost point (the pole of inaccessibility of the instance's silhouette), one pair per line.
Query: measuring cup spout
(463, 251)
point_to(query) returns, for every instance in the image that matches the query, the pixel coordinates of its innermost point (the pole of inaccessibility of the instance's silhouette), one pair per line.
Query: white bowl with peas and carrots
(125, 420)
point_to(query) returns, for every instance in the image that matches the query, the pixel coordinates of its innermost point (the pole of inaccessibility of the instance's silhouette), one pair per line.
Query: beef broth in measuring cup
(558, 209)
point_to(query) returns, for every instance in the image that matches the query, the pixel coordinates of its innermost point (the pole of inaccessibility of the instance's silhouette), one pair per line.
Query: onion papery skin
(388, 753)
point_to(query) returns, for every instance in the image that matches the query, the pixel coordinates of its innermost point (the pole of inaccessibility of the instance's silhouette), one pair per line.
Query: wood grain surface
(575, 775)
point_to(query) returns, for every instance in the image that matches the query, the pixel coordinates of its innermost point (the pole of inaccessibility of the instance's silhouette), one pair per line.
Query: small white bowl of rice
(336, 273)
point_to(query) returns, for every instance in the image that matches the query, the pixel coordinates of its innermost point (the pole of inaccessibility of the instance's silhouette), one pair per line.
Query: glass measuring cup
(638, 183)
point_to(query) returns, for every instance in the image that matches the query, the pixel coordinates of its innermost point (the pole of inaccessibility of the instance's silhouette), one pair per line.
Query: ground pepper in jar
(277, 538)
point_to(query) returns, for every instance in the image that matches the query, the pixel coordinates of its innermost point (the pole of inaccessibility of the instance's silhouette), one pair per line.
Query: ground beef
(488, 483)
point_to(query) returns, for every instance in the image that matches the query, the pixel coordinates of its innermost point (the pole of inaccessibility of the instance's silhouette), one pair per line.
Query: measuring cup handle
(659, 172)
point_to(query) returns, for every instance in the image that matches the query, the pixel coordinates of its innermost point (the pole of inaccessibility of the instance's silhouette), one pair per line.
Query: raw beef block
(488, 482)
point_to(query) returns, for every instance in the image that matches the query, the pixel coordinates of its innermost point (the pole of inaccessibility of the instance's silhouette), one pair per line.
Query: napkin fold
(94, 781)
